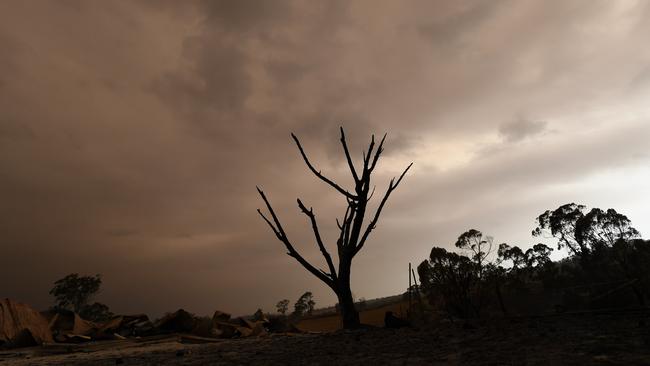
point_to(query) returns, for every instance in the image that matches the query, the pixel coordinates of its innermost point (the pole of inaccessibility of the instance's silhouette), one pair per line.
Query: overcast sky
(133, 134)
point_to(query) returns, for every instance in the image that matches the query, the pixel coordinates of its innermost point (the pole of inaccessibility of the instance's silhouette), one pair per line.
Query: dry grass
(374, 316)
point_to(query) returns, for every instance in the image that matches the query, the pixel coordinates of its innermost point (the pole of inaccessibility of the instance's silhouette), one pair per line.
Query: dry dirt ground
(621, 338)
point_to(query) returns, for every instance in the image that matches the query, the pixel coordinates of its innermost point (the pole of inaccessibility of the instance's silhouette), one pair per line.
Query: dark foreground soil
(621, 338)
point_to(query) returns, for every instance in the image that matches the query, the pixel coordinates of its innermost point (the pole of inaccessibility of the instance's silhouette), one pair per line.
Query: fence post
(408, 313)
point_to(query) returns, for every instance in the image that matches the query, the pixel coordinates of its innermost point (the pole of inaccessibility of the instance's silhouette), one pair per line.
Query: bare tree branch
(391, 187)
(348, 157)
(319, 241)
(366, 157)
(348, 223)
(275, 231)
(371, 193)
(342, 227)
(380, 149)
(357, 224)
(362, 188)
(318, 173)
(279, 232)
(345, 217)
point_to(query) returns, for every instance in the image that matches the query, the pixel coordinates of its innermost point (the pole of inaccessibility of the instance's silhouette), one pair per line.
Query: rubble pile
(179, 321)
(122, 326)
(67, 326)
(22, 326)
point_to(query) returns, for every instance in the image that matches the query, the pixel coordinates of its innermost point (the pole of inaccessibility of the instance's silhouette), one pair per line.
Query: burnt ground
(621, 338)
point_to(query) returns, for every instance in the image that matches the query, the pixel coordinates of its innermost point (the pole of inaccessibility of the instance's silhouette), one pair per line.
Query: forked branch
(380, 149)
(276, 226)
(371, 226)
(318, 173)
(319, 240)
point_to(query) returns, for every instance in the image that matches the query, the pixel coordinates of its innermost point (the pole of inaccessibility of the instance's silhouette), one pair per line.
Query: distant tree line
(303, 306)
(608, 265)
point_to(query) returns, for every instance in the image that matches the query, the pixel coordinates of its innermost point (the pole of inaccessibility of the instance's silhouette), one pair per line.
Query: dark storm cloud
(460, 18)
(520, 129)
(133, 134)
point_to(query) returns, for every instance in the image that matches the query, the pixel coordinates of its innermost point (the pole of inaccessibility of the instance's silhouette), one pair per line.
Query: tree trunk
(349, 313)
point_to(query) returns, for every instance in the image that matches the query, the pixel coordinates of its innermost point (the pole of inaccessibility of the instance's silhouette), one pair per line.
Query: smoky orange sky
(133, 134)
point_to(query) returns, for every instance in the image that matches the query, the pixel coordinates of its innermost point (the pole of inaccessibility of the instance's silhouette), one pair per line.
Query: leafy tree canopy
(74, 292)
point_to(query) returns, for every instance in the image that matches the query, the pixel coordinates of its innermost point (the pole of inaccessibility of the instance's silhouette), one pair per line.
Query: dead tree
(353, 233)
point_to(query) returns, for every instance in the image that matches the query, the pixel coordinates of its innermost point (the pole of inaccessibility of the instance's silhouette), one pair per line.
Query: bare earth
(621, 338)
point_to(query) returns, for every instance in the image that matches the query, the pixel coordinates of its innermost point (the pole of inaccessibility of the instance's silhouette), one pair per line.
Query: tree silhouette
(282, 306)
(537, 256)
(478, 245)
(451, 278)
(73, 292)
(353, 232)
(304, 305)
(604, 241)
(583, 233)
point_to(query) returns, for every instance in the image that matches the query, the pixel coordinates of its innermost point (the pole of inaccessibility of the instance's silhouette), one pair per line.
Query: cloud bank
(133, 134)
